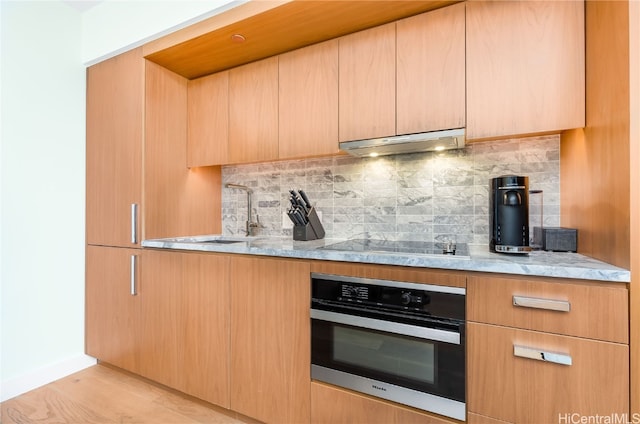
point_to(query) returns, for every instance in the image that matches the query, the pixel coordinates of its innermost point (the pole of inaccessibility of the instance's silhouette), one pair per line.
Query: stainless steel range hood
(410, 143)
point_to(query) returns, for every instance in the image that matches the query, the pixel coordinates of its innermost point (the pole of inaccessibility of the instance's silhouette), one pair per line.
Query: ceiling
(290, 25)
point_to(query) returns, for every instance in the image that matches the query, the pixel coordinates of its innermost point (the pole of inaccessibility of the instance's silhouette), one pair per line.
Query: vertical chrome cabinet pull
(541, 355)
(134, 262)
(134, 223)
(536, 303)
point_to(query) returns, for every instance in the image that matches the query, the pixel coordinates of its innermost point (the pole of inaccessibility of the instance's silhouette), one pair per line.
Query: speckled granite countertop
(538, 263)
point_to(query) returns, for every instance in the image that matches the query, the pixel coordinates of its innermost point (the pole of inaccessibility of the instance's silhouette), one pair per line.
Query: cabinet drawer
(525, 376)
(333, 405)
(574, 309)
(481, 419)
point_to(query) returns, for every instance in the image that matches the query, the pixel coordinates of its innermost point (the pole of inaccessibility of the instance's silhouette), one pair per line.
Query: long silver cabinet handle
(536, 303)
(134, 223)
(134, 286)
(541, 355)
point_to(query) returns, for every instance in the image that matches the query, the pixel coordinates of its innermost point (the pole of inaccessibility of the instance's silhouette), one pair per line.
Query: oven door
(419, 366)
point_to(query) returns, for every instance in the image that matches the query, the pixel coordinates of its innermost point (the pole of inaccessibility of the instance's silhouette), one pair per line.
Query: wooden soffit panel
(271, 28)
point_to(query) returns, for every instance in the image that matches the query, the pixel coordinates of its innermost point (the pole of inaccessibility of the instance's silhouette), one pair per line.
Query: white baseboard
(45, 375)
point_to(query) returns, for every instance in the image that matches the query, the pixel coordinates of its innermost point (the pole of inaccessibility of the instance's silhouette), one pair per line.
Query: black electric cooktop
(407, 247)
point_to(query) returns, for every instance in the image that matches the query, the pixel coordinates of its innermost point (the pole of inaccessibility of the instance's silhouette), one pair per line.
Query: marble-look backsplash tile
(419, 196)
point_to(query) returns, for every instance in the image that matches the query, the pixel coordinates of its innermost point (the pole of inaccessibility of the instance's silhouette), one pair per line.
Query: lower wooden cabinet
(570, 307)
(184, 339)
(167, 321)
(481, 419)
(270, 339)
(112, 312)
(234, 330)
(332, 405)
(523, 376)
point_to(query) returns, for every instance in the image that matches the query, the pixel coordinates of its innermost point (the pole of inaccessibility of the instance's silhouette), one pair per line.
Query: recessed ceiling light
(238, 38)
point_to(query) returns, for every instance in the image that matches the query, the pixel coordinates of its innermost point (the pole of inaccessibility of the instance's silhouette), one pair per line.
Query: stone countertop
(480, 259)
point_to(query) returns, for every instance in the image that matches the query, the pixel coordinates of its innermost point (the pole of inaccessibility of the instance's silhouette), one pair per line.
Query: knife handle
(298, 217)
(290, 215)
(299, 203)
(305, 198)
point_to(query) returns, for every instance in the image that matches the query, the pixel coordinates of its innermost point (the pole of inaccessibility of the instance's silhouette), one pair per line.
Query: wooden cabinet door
(367, 78)
(504, 385)
(208, 120)
(333, 405)
(525, 67)
(431, 71)
(178, 200)
(185, 316)
(270, 339)
(112, 311)
(253, 112)
(582, 309)
(308, 118)
(115, 118)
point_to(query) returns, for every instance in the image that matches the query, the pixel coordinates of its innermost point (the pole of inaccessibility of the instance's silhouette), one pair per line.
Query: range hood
(410, 143)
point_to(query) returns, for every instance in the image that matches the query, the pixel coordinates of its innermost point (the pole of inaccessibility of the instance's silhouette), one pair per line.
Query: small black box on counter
(556, 239)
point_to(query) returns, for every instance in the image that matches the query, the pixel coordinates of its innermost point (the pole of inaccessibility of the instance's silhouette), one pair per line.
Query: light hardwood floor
(101, 394)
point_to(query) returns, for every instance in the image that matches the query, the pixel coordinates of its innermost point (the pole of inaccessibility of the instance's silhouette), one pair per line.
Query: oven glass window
(387, 353)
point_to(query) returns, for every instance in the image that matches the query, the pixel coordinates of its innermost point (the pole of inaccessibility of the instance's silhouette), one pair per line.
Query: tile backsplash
(418, 196)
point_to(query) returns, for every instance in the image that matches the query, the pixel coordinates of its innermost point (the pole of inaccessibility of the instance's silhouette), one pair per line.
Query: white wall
(42, 168)
(116, 25)
(44, 48)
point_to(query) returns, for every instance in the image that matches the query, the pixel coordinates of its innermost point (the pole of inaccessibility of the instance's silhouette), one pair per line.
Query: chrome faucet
(250, 225)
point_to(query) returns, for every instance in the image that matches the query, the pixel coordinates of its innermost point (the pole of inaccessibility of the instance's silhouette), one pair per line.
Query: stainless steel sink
(222, 241)
(214, 239)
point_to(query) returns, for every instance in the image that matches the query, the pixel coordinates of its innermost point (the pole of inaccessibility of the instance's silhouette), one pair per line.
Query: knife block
(313, 230)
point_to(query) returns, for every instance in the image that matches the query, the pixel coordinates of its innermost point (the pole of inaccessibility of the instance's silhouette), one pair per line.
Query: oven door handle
(426, 333)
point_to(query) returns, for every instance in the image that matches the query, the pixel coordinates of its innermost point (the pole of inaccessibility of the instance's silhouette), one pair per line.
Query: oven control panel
(389, 295)
(350, 291)
(383, 296)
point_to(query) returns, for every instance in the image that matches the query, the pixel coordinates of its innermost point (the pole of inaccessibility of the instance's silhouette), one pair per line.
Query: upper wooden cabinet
(308, 101)
(525, 67)
(405, 77)
(367, 97)
(115, 119)
(430, 71)
(208, 120)
(178, 201)
(302, 103)
(253, 112)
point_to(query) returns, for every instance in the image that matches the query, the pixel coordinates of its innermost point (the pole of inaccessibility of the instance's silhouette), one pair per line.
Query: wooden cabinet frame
(115, 126)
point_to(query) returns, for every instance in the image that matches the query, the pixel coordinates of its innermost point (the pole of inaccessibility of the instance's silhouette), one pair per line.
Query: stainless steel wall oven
(400, 341)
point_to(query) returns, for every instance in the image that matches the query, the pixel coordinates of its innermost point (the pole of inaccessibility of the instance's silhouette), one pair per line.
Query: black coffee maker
(509, 214)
